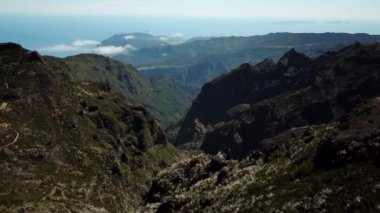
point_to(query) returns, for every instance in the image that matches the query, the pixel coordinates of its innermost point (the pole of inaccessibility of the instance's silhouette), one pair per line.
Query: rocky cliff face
(71, 146)
(252, 103)
(321, 168)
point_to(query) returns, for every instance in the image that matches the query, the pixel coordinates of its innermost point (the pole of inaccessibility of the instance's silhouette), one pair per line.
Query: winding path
(13, 142)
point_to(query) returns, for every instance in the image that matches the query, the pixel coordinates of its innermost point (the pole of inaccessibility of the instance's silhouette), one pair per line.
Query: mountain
(325, 168)
(241, 109)
(69, 145)
(299, 135)
(160, 95)
(140, 40)
(198, 61)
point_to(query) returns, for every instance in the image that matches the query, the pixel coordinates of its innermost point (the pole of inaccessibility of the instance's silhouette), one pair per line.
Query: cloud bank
(89, 46)
(114, 50)
(58, 48)
(77, 45)
(129, 37)
(84, 43)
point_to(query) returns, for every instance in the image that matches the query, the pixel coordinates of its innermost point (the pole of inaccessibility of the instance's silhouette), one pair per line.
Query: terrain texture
(197, 61)
(297, 135)
(68, 145)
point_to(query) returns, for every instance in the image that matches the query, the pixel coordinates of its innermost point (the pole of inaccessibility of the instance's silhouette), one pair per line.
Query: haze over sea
(39, 31)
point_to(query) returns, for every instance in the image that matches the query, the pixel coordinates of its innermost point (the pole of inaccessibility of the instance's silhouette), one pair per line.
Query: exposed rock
(35, 56)
(295, 92)
(316, 168)
(356, 139)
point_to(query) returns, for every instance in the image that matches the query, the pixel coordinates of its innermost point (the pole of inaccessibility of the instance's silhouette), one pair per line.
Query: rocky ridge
(198, 61)
(71, 146)
(253, 103)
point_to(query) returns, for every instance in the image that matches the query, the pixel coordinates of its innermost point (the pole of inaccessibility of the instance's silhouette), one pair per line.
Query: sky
(290, 9)
(64, 27)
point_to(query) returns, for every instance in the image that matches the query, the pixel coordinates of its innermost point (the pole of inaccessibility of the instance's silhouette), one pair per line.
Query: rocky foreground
(321, 168)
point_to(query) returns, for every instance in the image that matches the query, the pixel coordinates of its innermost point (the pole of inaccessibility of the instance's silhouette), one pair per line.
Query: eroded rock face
(183, 176)
(295, 92)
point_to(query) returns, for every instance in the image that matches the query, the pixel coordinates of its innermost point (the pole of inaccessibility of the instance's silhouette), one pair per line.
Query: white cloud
(76, 46)
(83, 43)
(178, 35)
(163, 39)
(58, 48)
(88, 46)
(113, 50)
(129, 37)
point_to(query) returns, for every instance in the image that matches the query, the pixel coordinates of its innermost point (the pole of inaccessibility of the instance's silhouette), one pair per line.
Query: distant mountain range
(196, 61)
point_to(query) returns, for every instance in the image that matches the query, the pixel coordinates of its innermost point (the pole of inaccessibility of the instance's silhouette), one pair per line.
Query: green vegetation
(81, 147)
(161, 96)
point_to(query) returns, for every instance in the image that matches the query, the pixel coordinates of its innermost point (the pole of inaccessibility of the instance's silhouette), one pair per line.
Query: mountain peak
(9, 46)
(35, 56)
(292, 58)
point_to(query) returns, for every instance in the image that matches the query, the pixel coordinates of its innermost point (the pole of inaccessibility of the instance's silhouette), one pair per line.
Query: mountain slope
(320, 168)
(240, 110)
(299, 135)
(194, 63)
(161, 96)
(71, 146)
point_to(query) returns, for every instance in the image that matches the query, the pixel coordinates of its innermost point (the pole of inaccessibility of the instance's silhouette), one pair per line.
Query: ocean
(37, 32)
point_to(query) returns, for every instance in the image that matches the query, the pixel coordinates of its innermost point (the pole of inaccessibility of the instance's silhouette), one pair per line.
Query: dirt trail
(14, 140)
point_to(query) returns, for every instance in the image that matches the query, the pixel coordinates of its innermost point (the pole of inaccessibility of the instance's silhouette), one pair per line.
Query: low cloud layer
(163, 39)
(113, 50)
(77, 46)
(89, 46)
(129, 37)
(178, 35)
(84, 43)
(58, 48)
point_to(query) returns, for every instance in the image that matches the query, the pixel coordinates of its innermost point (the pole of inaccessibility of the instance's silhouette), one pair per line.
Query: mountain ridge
(298, 135)
(192, 64)
(167, 101)
(270, 98)
(71, 145)
(307, 141)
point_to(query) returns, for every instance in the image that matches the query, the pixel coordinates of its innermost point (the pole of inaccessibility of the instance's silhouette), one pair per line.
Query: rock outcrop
(253, 103)
(320, 168)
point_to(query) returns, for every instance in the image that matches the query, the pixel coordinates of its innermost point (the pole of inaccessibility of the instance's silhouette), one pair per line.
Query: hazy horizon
(70, 27)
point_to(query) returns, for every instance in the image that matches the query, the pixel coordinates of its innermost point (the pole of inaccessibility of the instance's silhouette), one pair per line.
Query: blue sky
(289, 9)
